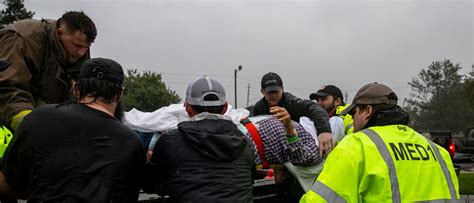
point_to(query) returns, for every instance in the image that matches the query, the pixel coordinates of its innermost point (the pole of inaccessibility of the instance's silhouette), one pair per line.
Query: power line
(249, 80)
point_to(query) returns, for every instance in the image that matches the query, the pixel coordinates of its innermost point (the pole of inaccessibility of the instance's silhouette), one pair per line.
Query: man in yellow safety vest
(384, 160)
(348, 125)
(331, 99)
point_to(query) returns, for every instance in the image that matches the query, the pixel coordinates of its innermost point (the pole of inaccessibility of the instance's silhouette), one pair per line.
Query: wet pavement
(467, 198)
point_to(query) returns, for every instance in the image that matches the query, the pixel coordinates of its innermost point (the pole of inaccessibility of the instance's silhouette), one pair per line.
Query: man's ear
(119, 97)
(338, 101)
(262, 91)
(225, 108)
(75, 90)
(60, 31)
(369, 111)
(188, 109)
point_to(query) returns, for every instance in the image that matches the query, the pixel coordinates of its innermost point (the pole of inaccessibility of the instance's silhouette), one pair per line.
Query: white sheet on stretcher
(168, 117)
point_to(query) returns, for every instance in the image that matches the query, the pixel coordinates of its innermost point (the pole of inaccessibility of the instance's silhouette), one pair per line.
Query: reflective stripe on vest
(348, 127)
(327, 193)
(383, 150)
(441, 161)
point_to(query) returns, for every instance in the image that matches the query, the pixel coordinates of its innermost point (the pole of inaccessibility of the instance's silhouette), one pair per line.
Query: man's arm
(320, 119)
(14, 79)
(258, 108)
(301, 107)
(301, 149)
(340, 176)
(15, 174)
(6, 192)
(318, 115)
(156, 167)
(304, 152)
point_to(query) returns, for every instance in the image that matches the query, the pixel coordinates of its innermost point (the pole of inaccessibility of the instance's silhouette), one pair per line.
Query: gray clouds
(309, 43)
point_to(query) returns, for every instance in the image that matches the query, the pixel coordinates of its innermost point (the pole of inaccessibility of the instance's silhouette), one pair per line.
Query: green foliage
(146, 92)
(439, 100)
(468, 90)
(469, 87)
(15, 11)
(466, 183)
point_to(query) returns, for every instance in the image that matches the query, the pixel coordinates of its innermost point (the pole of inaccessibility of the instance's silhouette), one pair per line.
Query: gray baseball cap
(372, 93)
(205, 91)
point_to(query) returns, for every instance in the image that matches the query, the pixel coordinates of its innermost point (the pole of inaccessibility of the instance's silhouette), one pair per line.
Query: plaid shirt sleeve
(279, 150)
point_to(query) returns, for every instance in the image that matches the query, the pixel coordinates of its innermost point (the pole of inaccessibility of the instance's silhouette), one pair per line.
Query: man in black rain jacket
(207, 159)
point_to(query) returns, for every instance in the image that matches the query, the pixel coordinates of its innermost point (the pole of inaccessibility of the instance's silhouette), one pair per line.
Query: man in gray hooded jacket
(207, 159)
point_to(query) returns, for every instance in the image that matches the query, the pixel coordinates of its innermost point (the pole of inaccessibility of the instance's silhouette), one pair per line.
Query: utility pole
(248, 94)
(345, 98)
(235, 84)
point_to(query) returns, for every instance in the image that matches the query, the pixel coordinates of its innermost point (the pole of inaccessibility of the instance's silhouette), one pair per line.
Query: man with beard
(77, 152)
(330, 98)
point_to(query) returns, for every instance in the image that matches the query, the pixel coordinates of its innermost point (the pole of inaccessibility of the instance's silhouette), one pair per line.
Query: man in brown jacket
(38, 60)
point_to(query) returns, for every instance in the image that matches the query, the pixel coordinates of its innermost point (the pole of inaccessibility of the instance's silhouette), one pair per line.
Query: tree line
(442, 98)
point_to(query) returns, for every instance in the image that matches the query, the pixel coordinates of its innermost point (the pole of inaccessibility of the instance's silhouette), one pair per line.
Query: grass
(466, 183)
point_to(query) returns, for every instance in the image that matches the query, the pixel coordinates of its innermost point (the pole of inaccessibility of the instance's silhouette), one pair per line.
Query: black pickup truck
(465, 144)
(445, 140)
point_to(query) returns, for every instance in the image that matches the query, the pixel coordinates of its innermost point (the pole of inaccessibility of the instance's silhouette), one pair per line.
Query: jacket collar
(207, 115)
(395, 116)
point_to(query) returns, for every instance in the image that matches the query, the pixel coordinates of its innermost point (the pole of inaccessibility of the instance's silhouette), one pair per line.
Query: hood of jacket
(218, 139)
(395, 116)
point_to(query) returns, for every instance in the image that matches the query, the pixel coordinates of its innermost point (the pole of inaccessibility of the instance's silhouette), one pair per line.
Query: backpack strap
(257, 140)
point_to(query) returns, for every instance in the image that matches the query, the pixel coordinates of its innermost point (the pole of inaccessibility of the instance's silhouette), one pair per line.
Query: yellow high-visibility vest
(5, 137)
(386, 164)
(348, 126)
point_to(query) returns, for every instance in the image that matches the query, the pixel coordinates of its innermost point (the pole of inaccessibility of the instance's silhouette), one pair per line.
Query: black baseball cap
(271, 82)
(325, 91)
(103, 69)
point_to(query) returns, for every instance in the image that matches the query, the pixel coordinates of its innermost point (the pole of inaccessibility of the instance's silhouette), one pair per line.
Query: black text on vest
(410, 151)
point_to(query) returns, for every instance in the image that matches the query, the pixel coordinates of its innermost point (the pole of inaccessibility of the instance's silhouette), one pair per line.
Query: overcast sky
(308, 43)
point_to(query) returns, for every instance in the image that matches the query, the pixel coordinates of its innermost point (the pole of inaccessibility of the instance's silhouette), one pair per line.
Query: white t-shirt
(337, 128)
